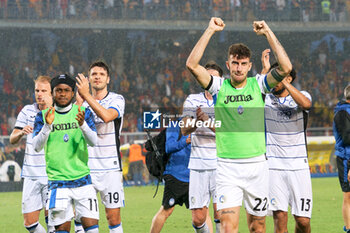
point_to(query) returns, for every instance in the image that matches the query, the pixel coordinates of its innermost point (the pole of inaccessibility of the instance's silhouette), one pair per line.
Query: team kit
(243, 139)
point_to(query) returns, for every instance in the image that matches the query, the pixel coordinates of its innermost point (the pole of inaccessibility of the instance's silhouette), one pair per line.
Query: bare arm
(106, 115)
(17, 134)
(297, 96)
(285, 66)
(192, 63)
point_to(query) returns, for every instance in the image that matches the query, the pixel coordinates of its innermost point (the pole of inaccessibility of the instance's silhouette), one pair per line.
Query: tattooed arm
(285, 66)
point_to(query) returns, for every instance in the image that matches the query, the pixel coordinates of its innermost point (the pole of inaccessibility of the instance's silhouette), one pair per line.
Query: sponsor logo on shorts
(171, 201)
(222, 199)
(273, 201)
(193, 200)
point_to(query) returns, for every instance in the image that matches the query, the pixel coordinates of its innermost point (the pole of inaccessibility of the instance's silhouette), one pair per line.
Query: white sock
(36, 228)
(92, 229)
(201, 229)
(116, 229)
(78, 228)
(217, 225)
(50, 229)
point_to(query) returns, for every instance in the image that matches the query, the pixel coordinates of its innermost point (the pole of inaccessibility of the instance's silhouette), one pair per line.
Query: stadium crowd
(152, 82)
(236, 10)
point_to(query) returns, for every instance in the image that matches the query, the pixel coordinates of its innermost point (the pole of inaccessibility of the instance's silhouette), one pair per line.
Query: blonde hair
(42, 79)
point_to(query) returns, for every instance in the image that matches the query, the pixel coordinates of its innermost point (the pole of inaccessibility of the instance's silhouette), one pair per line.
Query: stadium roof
(173, 25)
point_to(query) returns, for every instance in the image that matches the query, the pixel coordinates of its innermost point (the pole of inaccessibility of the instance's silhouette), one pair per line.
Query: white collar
(64, 109)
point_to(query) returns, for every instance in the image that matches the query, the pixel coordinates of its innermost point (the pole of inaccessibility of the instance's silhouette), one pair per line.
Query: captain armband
(276, 75)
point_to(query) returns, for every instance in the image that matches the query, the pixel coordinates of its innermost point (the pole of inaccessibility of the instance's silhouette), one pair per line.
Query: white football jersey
(34, 165)
(203, 147)
(105, 155)
(285, 133)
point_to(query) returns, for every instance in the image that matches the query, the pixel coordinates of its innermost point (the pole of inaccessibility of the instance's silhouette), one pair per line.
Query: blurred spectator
(236, 10)
(10, 170)
(136, 161)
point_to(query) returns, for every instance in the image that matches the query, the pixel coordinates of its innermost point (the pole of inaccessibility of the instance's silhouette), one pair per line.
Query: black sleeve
(342, 123)
(210, 83)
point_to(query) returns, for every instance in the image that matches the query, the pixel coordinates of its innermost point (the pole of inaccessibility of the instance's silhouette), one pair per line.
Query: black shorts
(175, 192)
(343, 175)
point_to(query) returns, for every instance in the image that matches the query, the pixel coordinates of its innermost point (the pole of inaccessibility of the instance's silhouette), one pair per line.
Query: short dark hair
(101, 64)
(240, 50)
(293, 73)
(211, 65)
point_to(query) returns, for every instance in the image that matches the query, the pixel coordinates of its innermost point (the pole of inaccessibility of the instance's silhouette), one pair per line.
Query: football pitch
(141, 207)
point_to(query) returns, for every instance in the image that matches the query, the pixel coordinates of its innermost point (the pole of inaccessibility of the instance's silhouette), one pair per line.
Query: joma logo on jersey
(238, 98)
(64, 126)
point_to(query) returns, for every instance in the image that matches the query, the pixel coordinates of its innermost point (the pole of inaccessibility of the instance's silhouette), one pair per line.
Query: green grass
(141, 207)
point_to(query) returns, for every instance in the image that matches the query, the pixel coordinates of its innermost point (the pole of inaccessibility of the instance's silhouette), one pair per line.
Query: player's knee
(227, 226)
(198, 218)
(257, 225)
(303, 223)
(347, 198)
(113, 219)
(30, 220)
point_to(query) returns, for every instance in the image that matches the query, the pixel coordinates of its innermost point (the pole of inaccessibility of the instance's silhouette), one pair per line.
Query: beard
(274, 92)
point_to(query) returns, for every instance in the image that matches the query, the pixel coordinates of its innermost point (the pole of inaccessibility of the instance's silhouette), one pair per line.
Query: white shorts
(62, 201)
(110, 186)
(291, 188)
(34, 196)
(202, 187)
(248, 182)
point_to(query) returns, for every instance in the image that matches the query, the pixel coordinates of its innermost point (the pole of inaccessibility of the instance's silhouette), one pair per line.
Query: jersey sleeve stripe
(267, 84)
(116, 110)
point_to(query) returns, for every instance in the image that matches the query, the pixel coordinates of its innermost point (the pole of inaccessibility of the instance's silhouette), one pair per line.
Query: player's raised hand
(83, 85)
(216, 24)
(50, 115)
(79, 99)
(201, 116)
(80, 117)
(260, 27)
(265, 60)
(47, 99)
(27, 130)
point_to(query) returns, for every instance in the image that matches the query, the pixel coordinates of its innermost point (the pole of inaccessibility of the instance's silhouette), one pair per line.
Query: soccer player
(341, 131)
(64, 130)
(286, 114)
(242, 170)
(203, 160)
(104, 158)
(34, 194)
(176, 176)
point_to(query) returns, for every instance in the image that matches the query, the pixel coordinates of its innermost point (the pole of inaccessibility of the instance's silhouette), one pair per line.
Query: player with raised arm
(64, 131)
(203, 160)
(104, 158)
(242, 170)
(34, 175)
(286, 114)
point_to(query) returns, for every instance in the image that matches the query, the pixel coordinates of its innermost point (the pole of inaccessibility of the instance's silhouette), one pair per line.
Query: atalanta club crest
(240, 110)
(65, 138)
